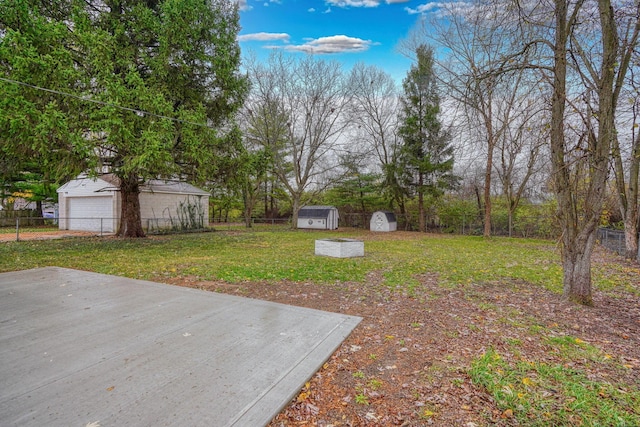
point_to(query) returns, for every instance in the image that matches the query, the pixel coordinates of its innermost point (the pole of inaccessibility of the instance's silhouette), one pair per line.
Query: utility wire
(106, 104)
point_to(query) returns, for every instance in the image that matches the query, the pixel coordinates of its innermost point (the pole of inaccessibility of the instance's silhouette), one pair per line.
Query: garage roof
(112, 182)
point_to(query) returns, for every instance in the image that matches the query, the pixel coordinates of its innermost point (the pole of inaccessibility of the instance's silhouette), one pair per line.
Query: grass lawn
(236, 256)
(525, 388)
(271, 256)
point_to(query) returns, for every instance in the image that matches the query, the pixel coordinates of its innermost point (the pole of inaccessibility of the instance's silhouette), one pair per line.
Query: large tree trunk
(579, 230)
(487, 192)
(130, 220)
(631, 236)
(422, 220)
(249, 201)
(296, 209)
(580, 216)
(576, 265)
(38, 212)
(266, 198)
(572, 257)
(628, 196)
(248, 211)
(491, 143)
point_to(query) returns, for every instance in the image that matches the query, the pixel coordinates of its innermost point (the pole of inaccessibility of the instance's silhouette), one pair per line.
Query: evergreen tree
(426, 156)
(154, 86)
(40, 131)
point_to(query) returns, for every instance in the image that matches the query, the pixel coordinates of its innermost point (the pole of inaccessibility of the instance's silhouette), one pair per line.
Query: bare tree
(311, 94)
(627, 178)
(627, 173)
(373, 113)
(474, 42)
(580, 171)
(265, 131)
(520, 147)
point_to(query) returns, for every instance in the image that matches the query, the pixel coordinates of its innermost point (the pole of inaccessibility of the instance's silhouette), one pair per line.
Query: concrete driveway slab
(78, 348)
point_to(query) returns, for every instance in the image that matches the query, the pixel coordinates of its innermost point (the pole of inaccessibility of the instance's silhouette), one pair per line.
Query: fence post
(17, 228)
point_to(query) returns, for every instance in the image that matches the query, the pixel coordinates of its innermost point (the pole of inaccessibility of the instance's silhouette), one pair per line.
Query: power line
(106, 104)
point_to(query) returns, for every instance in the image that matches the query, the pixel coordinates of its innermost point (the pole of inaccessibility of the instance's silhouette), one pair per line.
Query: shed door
(333, 220)
(91, 213)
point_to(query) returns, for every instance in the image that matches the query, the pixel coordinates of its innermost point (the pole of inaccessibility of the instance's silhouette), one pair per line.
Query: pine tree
(426, 156)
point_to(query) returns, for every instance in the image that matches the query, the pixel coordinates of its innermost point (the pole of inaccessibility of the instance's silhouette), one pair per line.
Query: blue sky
(347, 31)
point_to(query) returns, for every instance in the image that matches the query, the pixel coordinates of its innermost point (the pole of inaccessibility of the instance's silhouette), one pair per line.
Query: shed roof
(391, 216)
(112, 183)
(315, 211)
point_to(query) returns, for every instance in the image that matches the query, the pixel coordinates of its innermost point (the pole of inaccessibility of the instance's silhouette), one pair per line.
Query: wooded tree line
(529, 99)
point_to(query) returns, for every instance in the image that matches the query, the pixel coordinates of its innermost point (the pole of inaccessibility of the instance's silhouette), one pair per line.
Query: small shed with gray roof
(318, 217)
(384, 221)
(94, 203)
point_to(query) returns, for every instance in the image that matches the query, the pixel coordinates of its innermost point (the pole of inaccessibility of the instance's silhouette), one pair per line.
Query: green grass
(237, 256)
(47, 227)
(554, 394)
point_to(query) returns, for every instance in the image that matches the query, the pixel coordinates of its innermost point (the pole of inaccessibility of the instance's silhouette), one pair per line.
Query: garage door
(91, 213)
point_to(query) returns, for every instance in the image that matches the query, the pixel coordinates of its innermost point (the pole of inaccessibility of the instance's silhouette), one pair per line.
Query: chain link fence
(614, 240)
(20, 227)
(540, 226)
(30, 227)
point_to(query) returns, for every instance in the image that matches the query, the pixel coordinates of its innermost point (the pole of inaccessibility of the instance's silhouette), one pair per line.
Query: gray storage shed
(383, 221)
(318, 217)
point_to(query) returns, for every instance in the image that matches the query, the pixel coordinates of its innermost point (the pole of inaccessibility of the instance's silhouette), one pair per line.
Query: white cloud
(332, 44)
(354, 3)
(264, 37)
(242, 5)
(423, 8)
(311, 10)
(362, 3)
(460, 7)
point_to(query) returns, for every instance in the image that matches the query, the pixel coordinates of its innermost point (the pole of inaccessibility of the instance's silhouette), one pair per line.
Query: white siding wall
(332, 220)
(313, 223)
(162, 207)
(63, 222)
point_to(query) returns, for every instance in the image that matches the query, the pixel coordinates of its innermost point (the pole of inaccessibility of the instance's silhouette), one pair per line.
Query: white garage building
(93, 204)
